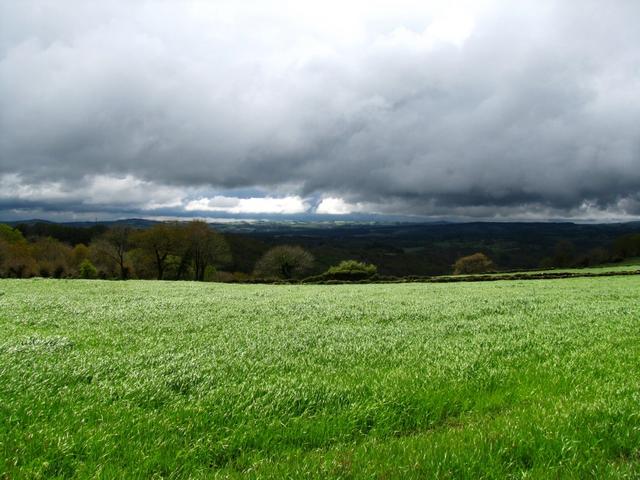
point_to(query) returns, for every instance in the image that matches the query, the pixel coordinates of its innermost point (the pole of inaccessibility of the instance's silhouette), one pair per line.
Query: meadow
(145, 379)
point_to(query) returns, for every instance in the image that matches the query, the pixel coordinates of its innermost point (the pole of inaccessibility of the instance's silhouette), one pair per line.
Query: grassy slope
(470, 380)
(615, 267)
(630, 266)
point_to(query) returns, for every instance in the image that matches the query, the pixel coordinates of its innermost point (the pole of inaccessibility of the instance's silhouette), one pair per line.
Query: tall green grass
(183, 380)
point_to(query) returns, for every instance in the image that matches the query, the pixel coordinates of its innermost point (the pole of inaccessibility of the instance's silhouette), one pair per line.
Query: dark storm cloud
(511, 109)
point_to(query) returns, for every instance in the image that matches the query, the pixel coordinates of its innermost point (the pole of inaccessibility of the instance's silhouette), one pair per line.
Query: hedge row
(323, 280)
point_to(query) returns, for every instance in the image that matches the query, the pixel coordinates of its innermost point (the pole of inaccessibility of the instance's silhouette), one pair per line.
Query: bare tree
(113, 245)
(159, 241)
(203, 247)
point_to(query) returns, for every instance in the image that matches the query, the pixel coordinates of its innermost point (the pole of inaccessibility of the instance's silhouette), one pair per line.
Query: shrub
(44, 270)
(476, 263)
(87, 270)
(210, 273)
(225, 277)
(59, 271)
(351, 270)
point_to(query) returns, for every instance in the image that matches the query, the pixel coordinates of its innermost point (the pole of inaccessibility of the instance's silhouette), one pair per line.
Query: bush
(210, 273)
(44, 270)
(87, 270)
(351, 270)
(59, 271)
(476, 263)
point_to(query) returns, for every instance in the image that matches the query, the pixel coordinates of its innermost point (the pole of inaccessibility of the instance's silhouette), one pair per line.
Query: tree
(142, 264)
(10, 235)
(16, 260)
(595, 256)
(159, 241)
(476, 263)
(285, 262)
(113, 246)
(627, 245)
(52, 256)
(564, 253)
(202, 247)
(78, 253)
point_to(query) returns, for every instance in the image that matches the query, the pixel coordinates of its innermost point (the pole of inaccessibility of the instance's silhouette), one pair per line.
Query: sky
(492, 110)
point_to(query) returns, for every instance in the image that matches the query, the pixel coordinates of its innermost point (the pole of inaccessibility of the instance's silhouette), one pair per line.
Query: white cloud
(336, 206)
(453, 27)
(97, 190)
(104, 189)
(220, 203)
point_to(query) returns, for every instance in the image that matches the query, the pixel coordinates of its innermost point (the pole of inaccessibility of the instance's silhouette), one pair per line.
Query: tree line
(194, 251)
(177, 251)
(164, 251)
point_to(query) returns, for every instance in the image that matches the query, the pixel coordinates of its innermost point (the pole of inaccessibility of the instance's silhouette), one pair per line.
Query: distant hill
(134, 222)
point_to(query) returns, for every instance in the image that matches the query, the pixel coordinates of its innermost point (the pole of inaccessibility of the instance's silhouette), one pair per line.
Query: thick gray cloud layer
(496, 108)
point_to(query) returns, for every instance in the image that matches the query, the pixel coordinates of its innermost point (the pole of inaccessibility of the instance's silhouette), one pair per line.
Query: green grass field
(528, 379)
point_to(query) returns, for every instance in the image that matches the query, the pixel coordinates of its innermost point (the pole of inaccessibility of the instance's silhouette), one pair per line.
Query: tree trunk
(160, 265)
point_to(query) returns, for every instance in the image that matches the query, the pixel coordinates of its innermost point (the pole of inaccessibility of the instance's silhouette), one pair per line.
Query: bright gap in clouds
(334, 206)
(285, 205)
